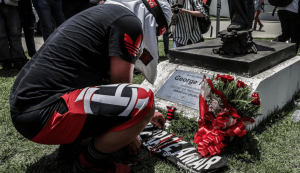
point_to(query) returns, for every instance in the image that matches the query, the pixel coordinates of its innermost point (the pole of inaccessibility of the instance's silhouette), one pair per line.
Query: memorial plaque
(182, 87)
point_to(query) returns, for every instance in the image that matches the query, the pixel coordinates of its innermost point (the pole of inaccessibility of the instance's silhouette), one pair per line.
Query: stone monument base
(201, 55)
(276, 86)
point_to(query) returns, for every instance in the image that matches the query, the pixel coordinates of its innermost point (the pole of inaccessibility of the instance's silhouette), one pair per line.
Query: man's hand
(158, 116)
(182, 10)
(101, 2)
(134, 147)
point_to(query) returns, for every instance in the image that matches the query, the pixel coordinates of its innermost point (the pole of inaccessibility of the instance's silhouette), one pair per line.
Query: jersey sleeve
(199, 6)
(125, 38)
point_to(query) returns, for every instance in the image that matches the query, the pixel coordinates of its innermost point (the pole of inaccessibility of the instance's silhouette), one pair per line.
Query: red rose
(255, 101)
(240, 84)
(225, 78)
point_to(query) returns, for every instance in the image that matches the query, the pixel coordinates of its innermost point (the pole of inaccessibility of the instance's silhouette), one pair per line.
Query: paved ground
(271, 29)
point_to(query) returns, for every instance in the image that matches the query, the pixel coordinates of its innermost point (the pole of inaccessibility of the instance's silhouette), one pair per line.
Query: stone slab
(201, 55)
(276, 86)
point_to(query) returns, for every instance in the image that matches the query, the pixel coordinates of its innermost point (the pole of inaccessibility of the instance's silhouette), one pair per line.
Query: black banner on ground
(181, 153)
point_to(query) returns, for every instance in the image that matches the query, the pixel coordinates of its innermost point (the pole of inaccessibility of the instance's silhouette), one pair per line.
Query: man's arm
(120, 71)
(198, 6)
(193, 13)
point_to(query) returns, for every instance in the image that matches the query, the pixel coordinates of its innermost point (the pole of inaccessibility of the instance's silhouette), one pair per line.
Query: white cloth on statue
(149, 29)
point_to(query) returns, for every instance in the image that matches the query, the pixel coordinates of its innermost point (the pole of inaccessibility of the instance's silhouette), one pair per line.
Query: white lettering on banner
(157, 141)
(190, 161)
(186, 168)
(166, 154)
(183, 152)
(189, 158)
(149, 133)
(153, 141)
(162, 134)
(186, 156)
(145, 133)
(197, 163)
(168, 148)
(181, 142)
(210, 162)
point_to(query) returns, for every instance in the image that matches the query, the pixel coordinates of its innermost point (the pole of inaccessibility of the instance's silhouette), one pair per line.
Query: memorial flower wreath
(226, 106)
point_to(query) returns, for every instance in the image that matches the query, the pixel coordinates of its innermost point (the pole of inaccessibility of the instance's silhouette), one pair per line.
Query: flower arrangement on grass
(226, 106)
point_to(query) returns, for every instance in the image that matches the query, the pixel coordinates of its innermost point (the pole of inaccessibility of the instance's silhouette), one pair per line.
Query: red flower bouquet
(226, 107)
(225, 78)
(256, 101)
(240, 84)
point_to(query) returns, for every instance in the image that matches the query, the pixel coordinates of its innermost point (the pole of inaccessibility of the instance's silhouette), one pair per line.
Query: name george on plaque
(182, 87)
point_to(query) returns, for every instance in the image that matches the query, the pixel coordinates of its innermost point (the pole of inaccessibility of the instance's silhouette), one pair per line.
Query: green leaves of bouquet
(238, 95)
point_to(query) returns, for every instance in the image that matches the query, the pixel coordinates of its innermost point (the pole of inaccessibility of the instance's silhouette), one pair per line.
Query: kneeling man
(78, 85)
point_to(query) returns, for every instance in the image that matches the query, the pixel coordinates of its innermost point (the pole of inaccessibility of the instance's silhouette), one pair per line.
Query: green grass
(26, 54)
(274, 146)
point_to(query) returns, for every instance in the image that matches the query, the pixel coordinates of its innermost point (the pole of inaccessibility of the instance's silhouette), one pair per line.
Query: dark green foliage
(239, 98)
(184, 127)
(138, 78)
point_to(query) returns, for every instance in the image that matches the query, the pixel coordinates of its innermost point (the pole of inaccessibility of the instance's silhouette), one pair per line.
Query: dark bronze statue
(237, 39)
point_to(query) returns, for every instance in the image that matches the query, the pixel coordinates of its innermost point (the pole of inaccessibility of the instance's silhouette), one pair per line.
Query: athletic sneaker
(260, 27)
(108, 167)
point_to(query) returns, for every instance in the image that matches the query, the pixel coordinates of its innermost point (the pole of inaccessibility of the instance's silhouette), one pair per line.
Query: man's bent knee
(142, 105)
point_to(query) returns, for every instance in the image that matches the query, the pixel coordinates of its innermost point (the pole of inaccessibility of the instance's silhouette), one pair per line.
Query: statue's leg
(238, 15)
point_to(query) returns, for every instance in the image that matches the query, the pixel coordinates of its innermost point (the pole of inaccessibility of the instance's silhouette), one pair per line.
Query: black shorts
(87, 112)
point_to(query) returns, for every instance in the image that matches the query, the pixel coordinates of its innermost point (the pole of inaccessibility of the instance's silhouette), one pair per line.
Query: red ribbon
(209, 142)
(212, 131)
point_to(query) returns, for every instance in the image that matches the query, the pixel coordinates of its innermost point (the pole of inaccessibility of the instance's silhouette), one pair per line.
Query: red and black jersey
(77, 55)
